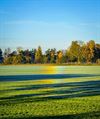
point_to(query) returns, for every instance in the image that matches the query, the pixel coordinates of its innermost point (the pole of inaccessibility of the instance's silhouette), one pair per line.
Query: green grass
(47, 92)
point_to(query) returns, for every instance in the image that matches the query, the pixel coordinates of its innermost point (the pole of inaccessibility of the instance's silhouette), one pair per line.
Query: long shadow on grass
(83, 85)
(43, 76)
(88, 115)
(86, 85)
(77, 89)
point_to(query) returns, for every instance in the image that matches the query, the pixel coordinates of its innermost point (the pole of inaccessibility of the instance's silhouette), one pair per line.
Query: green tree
(27, 56)
(47, 56)
(7, 52)
(17, 59)
(1, 56)
(75, 51)
(53, 55)
(67, 56)
(8, 60)
(19, 49)
(32, 52)
(97, 53)
(38, 55)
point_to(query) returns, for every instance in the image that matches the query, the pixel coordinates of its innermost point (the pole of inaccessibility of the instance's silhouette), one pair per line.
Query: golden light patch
(48, 81)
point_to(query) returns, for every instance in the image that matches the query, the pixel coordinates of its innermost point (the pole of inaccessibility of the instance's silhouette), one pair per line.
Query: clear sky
(49, 23)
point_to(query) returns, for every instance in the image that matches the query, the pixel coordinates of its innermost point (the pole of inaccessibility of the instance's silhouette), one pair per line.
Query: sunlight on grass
(62, 94)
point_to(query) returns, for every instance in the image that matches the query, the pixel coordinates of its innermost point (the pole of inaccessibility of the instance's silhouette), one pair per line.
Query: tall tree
(7, 52)
(19, 49)
(53, 55)
(47, 56)
(75, 51)
(97, 52)
(38, 55)
(59, 57)
(1, 56)
(32, 52)
(89, 51)
(27, 56)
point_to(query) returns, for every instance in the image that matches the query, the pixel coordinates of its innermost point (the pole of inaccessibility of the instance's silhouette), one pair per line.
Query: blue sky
(49, 23)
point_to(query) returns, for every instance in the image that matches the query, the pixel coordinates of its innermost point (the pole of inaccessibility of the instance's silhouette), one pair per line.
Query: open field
(50, 92)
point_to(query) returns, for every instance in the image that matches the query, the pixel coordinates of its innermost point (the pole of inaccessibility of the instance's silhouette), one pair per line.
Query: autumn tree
(59, 57)
(7, 57)
(78, 52)
(15, 58)
(89, 51)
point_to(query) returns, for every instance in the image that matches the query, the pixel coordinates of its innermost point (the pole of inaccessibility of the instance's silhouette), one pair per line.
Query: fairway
(49, 92)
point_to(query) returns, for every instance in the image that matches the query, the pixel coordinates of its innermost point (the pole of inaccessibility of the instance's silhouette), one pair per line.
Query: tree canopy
(78, 52)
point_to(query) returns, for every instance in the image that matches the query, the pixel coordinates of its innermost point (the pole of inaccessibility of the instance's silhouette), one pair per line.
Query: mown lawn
(50, 92)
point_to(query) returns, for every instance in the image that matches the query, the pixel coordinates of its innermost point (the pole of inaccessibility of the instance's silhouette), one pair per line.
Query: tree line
(78, 52)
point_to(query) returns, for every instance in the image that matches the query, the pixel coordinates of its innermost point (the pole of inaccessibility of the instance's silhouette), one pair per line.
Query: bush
(98, 61)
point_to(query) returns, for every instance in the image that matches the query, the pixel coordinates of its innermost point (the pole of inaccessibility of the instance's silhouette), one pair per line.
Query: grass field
(50, 92)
